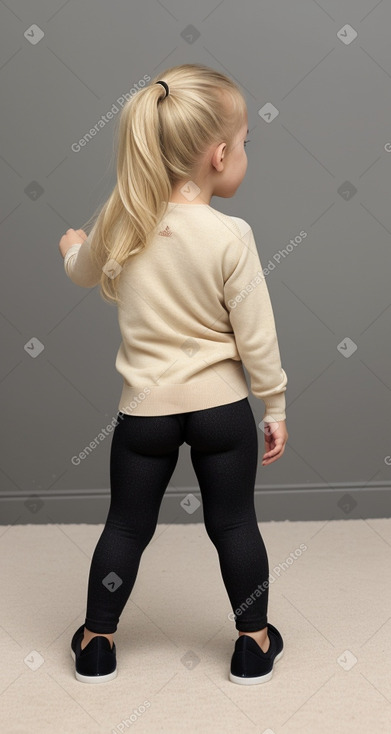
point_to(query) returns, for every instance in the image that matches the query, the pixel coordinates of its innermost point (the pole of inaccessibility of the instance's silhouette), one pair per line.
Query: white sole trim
(253, 680)
(93, 678)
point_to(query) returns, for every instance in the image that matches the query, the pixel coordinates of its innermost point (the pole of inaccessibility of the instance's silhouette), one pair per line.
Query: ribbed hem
(272, 417)
(275, 406)
(226, 384)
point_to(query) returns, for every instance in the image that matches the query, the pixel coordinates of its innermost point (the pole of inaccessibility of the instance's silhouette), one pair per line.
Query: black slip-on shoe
(249, 664)
(97, 662)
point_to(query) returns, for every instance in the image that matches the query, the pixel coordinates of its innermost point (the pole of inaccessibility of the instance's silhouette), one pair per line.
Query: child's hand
(274, 442)
(72, 237)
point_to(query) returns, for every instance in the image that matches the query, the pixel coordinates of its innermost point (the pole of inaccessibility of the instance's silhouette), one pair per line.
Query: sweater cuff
(274, 408)
(274, 417)
(73, 250)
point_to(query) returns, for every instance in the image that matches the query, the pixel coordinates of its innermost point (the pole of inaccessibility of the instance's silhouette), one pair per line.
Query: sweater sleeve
(251, 315)
(79, 265)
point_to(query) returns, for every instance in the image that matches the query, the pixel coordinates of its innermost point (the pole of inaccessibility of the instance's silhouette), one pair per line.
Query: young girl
(193, 307)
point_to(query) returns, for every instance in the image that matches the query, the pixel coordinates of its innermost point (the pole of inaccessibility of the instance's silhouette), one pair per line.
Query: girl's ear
(218, 156)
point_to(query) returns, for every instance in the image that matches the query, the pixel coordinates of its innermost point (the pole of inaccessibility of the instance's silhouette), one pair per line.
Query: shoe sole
(252, 680)
(93, 678)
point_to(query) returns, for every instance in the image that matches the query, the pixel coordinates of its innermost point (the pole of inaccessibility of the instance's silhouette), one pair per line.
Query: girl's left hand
(72, 237)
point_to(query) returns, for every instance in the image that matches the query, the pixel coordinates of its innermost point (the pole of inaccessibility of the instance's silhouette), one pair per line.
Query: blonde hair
(161, 140)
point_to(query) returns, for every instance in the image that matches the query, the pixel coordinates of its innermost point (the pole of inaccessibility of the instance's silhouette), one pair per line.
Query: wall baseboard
(274, 503)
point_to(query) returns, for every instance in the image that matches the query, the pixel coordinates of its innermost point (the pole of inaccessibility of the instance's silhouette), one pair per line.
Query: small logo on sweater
(166, 232)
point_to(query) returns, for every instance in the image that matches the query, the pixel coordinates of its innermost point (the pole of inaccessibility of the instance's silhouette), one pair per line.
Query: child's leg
(144, 453)
(224, 452)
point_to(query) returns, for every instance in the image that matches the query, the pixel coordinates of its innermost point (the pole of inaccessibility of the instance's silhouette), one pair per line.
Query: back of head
(160, 141)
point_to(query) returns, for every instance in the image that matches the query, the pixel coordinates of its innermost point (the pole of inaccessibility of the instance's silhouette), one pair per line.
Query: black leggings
(144, 453)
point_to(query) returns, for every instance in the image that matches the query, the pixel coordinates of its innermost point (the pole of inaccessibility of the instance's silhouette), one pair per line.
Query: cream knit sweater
(196, 308)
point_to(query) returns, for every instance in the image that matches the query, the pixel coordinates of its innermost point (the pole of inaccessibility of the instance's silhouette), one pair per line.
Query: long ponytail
(160, 141)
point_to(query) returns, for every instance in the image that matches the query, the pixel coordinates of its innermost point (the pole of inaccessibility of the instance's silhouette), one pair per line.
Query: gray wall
(321, 166)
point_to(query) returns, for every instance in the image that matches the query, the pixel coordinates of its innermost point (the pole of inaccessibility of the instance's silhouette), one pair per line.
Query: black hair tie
(165, 85)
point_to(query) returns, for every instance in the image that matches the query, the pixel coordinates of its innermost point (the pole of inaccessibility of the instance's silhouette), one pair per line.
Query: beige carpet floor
(175, 639)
